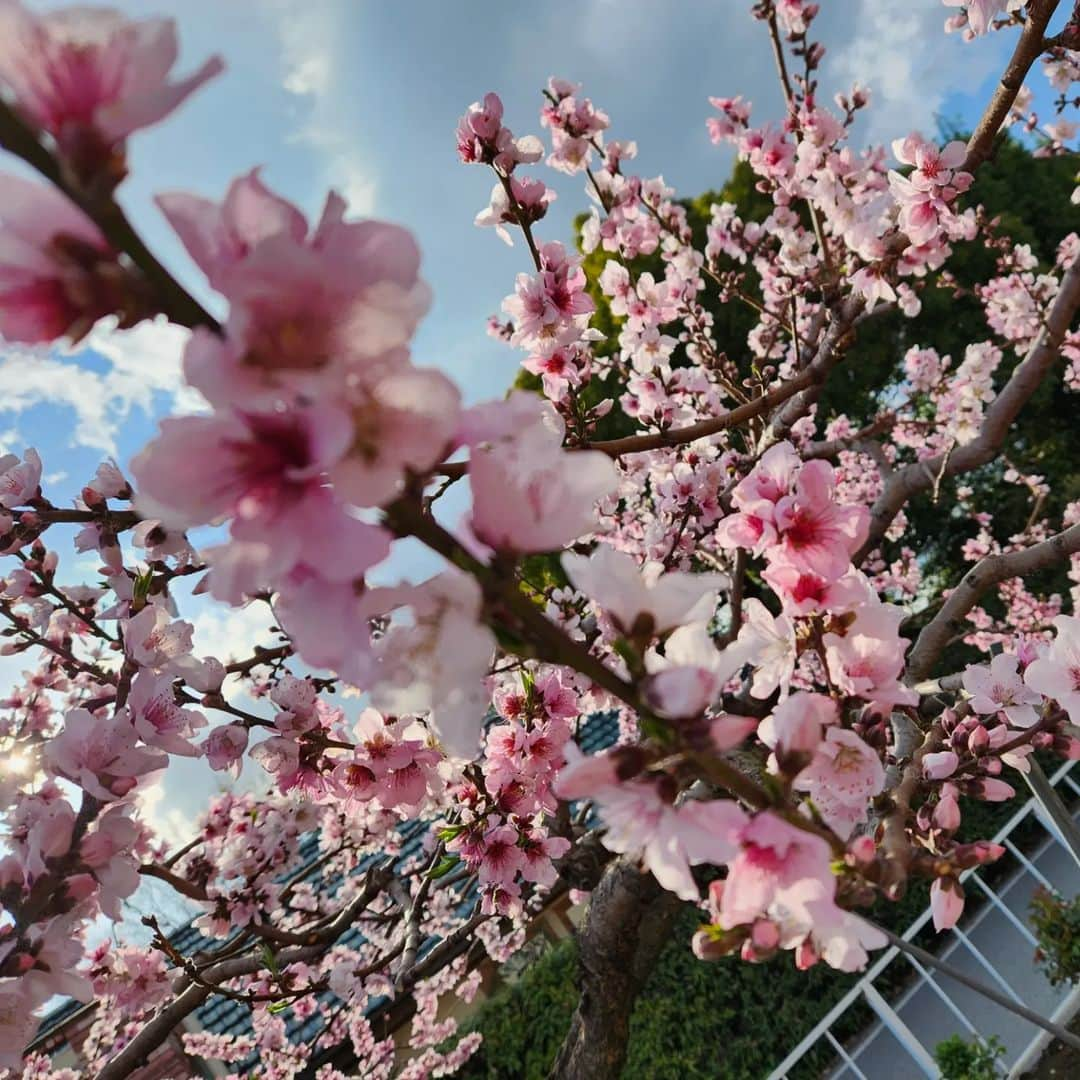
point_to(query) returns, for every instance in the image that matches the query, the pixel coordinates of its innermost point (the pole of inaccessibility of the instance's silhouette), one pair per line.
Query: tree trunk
(627, 923)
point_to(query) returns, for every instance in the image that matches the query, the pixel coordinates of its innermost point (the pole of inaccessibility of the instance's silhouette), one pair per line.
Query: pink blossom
(1056, 674)
(158, 717)
(797, 725)
(868, 659)
(51, 254)
(1000, 687)
(844, 775)
(816, 534)
(312, 315)
(500, 857)
(266, 471)
(777, 871)
(224, 747)
(931, 167)
(538, 850)
(20, 481)
(220, 236)
(152, 638)
(635, 597)
(108, 851)
(100, 754)
(436, 663)
(531, 200)
(668, 839)
(90, 76)
(939, 765)
(391, 763)
(404, 423)
(980, 14)
(692, 673)
(768, 643)
(259, 467)
(528, 493)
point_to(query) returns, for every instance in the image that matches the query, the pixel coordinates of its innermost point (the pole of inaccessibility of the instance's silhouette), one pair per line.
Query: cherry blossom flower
(783, 873)
(90, 76)
(669, 839)
(1056, 674)
(19, 480)
(980, 14)
(797, 725)
(435, 663)
(101, 755)
(528, 493)
(768, 644)
(946, 902)
(158, 718)
(844, 775)
(58, 273)
(634, 597)
(940, 764)
(531, 198)
(1000, 687)
(692, 672)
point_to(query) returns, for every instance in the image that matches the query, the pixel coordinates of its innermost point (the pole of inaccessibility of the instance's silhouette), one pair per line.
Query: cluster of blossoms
(730, 584)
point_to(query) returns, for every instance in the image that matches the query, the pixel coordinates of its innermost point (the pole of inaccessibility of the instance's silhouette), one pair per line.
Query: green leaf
(444, 866)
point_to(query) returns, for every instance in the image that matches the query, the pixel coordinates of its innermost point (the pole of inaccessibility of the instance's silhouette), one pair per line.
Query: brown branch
(894, 839)
(1027, 51)
(829, 353)
(180, 884)
(920, 476)
(983, 575)
(626, 925)
(175, 301)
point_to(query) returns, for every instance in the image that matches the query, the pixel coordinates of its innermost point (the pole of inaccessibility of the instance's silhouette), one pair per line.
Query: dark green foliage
(1056, 922)
(961, 1060)
(524, 1024)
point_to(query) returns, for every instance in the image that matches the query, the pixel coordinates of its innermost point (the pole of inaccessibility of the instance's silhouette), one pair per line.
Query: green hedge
(726, 1020)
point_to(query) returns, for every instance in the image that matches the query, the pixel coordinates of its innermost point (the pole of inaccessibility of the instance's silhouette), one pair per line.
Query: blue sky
(364, 96)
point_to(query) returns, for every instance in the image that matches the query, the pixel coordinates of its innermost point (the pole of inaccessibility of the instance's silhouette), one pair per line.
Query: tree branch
(985, 573)
(180, 307)
(919, 476)
(1027, 51)
(627, 923)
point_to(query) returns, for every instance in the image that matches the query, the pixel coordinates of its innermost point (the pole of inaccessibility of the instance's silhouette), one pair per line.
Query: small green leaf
(445, 865)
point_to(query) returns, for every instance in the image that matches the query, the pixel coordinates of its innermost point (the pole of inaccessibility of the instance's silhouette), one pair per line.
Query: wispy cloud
(910, 64)
(313, 70)
(111, 374)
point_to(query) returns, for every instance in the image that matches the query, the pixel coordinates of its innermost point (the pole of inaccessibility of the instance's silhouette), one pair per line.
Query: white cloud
(231, 634)
(902, 53)
(311, 40)
(141, 364)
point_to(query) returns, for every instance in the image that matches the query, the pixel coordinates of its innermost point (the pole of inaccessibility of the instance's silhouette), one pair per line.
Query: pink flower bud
(992, 790)
(862, 851)
(939, 766)
(765, 935)
(946, 902)
(978, 740)
(806, 956)
(947, 814)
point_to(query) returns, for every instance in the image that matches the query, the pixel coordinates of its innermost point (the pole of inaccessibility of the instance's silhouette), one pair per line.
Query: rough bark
(627, 923)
